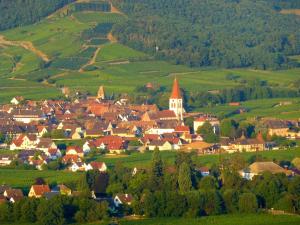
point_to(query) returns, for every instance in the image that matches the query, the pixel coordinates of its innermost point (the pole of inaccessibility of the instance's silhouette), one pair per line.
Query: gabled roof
(39, 190)
(260, 167)
(125, 198)
(97, 165)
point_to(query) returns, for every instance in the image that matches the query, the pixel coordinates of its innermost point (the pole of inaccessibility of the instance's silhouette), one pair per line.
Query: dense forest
(230, 33)
(22, 12)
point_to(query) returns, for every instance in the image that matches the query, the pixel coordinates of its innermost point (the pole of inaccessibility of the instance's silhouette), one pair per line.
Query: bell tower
(175, 101)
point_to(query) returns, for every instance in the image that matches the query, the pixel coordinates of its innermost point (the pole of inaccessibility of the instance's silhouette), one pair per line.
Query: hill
(20, 12)
(231, 33)
(74, 47)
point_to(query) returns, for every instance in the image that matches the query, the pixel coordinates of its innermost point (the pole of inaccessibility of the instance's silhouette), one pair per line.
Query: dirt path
(111, 38)
(26, 45)
(113, 9)
(92, 61)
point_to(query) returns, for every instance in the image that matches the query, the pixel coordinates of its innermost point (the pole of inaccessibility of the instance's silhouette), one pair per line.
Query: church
(176, 101)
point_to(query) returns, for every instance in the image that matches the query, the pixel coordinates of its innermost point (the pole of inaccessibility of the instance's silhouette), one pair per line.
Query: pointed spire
(101, 93)
(176, 90)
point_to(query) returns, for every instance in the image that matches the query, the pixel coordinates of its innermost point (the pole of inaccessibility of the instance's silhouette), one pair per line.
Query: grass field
(238, 219)
(144, 159)
(261, 108)
(257, 219)
(25, 178)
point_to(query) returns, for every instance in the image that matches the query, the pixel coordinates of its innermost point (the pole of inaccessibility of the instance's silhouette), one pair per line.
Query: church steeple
(176, 90)
(175, 101)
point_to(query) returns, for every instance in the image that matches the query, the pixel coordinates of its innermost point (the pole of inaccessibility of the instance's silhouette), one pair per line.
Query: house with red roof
(100, 166)
(37, 191)
(75, 150)
(24, 141)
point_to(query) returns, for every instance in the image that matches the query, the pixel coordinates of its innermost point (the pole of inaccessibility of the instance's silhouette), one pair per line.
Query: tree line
(163, 190)
(22, 12)
(231, 33)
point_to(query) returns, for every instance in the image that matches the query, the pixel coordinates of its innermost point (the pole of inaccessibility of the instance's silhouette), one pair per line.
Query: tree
(156, 173)
(50, 212)
(28, 210)
(184, 178)
(2, 137)
(208, 183)
(207, 131)
(247, 203)
(231, 199)
(228, 128)
(286, 203)
(39, 181)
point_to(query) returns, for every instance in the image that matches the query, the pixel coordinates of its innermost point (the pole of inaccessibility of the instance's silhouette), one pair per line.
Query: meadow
(25, 178)
(257, 219)
(144, 159)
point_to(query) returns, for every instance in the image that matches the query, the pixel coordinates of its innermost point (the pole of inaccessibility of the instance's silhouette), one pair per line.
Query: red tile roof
(39, 190)
(176, 90)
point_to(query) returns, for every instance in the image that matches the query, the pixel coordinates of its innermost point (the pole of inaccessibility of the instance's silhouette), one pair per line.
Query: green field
(257, 219)
(144, 159)
(248, 219)
(25, 178)
(71, 41)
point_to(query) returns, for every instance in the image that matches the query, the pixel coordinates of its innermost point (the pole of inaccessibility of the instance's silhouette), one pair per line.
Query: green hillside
(74, 47)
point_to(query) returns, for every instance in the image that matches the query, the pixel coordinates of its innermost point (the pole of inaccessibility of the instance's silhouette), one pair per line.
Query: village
(33, 129)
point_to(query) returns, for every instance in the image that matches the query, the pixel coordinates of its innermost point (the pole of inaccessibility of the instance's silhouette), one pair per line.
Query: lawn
(25, 178)
(144, 159)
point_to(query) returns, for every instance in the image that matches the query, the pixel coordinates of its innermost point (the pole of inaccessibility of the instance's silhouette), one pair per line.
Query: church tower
(101, 93)
(175, 101)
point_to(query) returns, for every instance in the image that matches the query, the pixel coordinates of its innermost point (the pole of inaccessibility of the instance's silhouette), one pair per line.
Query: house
(13, 195)
(17, 100)
(53, 153)
(42, 130)
(50, 195)
(75, 150)
(214, 122)
(257, 168)
(77, 166)
(28, 115)
(38, 163)
(201, 147)
(160, 144)
(123, 199)
(45, 143)
(37, 191)
(204, 171)
(24, 141)
(244, 144)
(67, 159)
(100, 166)
(62, 189)
(277, 127)
(5, 160)
(114, 144)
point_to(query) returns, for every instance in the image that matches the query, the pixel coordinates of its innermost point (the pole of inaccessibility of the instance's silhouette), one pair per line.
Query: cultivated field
(84, 55)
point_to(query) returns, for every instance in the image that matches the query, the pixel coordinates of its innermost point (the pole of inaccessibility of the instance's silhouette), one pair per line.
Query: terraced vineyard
(76, 48)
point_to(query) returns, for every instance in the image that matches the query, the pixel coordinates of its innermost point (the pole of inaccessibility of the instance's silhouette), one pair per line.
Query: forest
(228, 34)
(22, 12)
